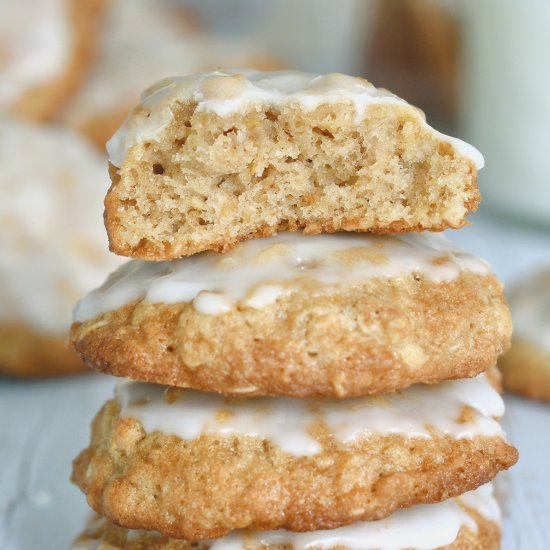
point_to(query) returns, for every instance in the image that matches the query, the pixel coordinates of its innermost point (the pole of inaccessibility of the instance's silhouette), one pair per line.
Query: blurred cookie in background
(526, 367)
(46, 47)
(53, 246)
(413, 49)
(142, 41)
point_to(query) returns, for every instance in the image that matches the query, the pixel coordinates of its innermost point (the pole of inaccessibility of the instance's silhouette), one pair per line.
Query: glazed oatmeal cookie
(197, 466)
(207, 161)
(299, 315)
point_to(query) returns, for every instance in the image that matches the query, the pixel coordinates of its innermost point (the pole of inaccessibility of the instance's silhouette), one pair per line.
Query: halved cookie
(210, 160)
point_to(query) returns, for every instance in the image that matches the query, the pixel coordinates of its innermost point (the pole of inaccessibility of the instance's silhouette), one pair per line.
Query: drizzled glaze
(257, 272)
(417, 411)
(425, 526)
(226, 92)
(483, 501)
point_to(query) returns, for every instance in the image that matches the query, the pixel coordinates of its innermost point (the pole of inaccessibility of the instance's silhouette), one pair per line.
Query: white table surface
(44, 424)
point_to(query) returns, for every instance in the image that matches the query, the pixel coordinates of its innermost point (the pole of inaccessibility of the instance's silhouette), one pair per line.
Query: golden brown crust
(526, 370)
(381, 336)
(25, 353)
(119, 538)
(200, 187)
(43, 102)
(206, 487)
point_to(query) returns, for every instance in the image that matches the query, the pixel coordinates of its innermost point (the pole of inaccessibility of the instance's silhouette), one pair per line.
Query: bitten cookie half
(471, 522)
(526, 367)
(47, 47)
(296, 315)
(209, 160)
(197, 466)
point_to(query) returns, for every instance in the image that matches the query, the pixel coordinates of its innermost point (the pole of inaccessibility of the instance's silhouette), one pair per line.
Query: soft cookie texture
(526, 367)
(213, 159)
(259, 463)
(299, 315)
(460, 527)
(46, 48)
(52, 244)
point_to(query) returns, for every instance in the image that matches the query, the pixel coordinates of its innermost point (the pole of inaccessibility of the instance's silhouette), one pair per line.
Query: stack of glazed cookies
(309, 368)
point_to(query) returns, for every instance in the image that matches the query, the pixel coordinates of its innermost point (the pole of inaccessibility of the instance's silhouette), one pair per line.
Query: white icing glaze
(222, 93)
(35, 40)
(425, 526)
(530, 305)
(53, 246)
(259, 271)
(483, 501)
(287, 422)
